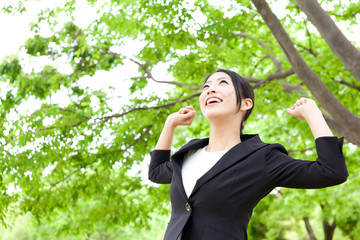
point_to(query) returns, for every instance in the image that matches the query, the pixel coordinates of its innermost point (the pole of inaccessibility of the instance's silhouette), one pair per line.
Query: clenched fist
(184, 116)
(303, 108)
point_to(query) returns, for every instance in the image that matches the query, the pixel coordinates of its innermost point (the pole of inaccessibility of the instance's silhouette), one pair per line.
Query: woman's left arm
(329, 168)
(306, 109)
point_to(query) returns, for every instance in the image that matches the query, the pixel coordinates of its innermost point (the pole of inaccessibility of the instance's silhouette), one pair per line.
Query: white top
(196, 164)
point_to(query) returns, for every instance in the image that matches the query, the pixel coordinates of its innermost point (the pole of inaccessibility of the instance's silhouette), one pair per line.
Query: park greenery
(71, 162)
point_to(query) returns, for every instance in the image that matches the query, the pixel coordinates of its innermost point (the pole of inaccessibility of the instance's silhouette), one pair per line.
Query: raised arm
(185, 116)
(306, 109)
(160, 169)
(329, 168)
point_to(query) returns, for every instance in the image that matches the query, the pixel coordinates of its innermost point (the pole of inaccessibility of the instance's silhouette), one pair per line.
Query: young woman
(216, 182)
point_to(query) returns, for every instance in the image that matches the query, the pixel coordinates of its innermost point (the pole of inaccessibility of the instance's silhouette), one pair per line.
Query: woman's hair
(243, 90)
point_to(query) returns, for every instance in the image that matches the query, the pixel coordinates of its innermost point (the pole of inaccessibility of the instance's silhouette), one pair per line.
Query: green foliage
(25, 227)
(10, 68)
(70, 160)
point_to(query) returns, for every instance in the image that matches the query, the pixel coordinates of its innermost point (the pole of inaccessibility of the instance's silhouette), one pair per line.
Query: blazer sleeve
(160, 168)
(329, 168)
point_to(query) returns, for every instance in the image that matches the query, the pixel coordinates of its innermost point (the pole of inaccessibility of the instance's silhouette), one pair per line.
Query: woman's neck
(223, 137)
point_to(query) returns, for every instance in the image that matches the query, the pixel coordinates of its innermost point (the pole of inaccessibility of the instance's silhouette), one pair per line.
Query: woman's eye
(223, 81)
(205, 86)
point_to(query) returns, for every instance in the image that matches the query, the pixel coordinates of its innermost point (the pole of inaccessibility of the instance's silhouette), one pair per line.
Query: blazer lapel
(178, 157)
(248, 145)
(193, 144)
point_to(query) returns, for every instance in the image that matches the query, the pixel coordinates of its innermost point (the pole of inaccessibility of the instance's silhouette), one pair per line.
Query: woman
(216, 182)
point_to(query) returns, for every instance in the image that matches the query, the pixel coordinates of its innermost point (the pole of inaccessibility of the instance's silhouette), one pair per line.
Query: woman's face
(218, 97)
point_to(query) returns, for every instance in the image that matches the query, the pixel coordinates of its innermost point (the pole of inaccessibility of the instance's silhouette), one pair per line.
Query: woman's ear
(246, 104)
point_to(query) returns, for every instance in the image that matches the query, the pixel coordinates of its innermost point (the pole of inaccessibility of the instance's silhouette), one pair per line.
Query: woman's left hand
(303, 108)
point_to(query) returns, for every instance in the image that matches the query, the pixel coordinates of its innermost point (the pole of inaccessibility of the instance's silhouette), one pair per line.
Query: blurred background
(87, 85)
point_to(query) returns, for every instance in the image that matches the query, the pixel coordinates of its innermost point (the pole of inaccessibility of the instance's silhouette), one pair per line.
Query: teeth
(212, 100)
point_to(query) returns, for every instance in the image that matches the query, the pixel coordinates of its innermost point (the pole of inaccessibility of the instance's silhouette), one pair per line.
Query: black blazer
(221, 203)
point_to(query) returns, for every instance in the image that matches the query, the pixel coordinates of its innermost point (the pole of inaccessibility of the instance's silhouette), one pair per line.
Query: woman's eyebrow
(220, 78)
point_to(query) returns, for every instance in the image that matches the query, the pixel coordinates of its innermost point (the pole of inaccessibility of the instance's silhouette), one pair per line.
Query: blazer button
(187, 207)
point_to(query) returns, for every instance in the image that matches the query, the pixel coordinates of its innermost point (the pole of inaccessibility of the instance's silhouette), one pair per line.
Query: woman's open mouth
(212, 101)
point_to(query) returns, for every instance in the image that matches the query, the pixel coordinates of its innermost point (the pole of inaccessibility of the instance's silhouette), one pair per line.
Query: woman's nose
(210, 89)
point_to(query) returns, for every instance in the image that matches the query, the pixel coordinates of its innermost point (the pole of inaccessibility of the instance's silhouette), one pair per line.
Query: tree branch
(261, 43)
(146, 132)
(329, 229)
(65, 178)
(149, 75)
(147, 108)
(278, 66)
(273, 76)
(348, 54)
(319, 90)
(341, 81)
(276, 62)
(82, 69)
(309, 50)
(258, 63)
(290, 87)
(105, 118)
(309, 37)
(253, 80)
(309, 228)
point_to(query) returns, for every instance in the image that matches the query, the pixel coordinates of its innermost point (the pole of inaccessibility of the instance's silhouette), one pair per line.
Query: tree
(72, 156)
(24, 227)
(347, 122)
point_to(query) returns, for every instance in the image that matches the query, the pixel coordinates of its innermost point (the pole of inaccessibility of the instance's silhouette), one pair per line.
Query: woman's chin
(221, 115)
(211, 115)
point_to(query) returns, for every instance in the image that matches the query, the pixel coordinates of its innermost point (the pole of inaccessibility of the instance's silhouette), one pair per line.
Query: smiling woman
(229, 83)
(216, 182)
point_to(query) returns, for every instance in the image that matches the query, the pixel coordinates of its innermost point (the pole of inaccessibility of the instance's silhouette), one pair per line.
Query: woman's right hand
(184, 116)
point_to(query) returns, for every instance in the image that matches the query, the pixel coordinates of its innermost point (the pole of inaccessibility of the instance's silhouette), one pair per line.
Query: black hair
(243, 90)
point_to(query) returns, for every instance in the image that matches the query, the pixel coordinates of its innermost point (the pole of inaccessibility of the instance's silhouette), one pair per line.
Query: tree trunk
(309, 228)
(338, 112)
(348, 54)
(350, 137)
(329, 229)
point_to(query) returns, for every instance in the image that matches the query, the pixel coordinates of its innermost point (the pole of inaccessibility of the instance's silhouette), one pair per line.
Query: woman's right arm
(185, 116)
(160, 170)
